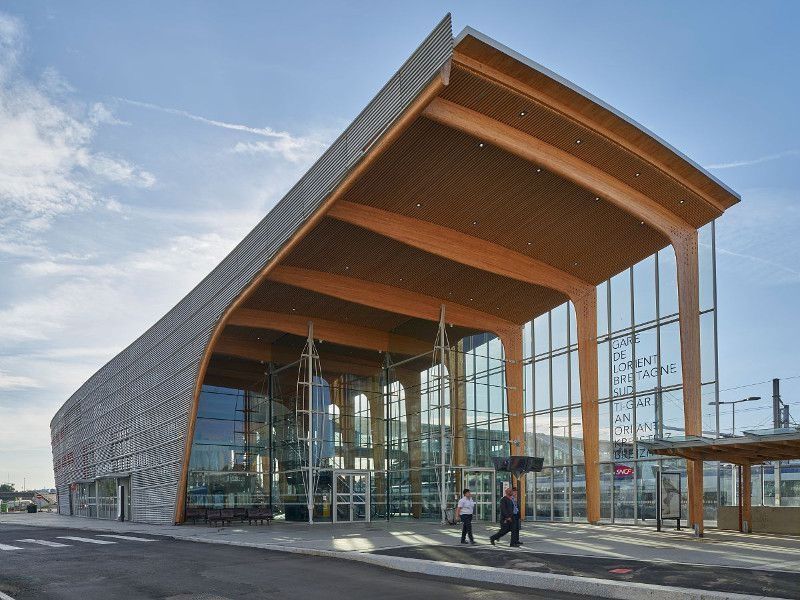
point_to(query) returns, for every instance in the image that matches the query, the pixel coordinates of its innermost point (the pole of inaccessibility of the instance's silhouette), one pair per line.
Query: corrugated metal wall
(132, 415)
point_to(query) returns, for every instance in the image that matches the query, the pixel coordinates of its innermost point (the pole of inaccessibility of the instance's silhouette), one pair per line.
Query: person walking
(465, 511)
(509, 518)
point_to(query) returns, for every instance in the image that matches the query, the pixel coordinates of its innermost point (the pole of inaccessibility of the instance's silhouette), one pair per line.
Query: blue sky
(140, 141)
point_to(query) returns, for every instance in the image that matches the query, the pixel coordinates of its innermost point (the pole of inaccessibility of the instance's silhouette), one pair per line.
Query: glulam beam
(335, 332)
(388, 298)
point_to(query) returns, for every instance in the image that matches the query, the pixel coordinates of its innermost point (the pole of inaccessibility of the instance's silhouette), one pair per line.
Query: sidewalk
(550, 549)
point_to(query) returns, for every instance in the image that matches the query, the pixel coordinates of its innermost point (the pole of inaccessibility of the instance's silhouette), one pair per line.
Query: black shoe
(463, 542)
(473, 542)
(515, 545)
(492, 540)
(519, 543)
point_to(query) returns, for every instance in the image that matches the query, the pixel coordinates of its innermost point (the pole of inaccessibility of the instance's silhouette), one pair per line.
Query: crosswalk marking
(83, 539)
(44, 543)
(125, 537)
(5, 547)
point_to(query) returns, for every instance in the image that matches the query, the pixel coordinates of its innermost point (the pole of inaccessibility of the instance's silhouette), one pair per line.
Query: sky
(139, 142)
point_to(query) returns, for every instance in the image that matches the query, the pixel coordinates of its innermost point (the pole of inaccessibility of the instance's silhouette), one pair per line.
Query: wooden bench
(196, 513)
(215, 515)
(259, 514)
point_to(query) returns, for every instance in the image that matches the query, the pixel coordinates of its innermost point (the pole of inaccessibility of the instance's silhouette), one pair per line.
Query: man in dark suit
(509, 518)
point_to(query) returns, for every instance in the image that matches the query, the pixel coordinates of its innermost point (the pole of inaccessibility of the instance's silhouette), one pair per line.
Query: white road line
(44, 543)
(5, 547)
(83, 539)
(5, 596)
(125, 537)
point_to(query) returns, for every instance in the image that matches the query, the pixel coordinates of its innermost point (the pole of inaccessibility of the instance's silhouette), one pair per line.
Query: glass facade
(392, 441)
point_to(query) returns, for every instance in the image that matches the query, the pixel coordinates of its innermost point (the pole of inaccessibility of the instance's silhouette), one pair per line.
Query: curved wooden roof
(501, 162)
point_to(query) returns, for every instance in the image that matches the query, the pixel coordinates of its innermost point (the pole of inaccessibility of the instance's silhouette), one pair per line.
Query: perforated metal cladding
(593, 112)
(132, 415)
(511, 201)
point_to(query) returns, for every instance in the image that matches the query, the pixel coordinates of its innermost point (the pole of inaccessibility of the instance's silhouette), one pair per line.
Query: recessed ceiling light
(577, 141)
(637, 174)
(419, 204)
(641, 222)
(530, 243)
(575, 264)
(522, 113)
(294, 309)
(347, 268)
(470, 299)
(682, 201)
(538, 169)
(401, 279)
(474, 222)
(596, 198)
(480, 144)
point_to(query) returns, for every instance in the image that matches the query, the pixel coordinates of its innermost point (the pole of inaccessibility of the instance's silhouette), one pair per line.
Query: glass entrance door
(351, 501)
(481, 483)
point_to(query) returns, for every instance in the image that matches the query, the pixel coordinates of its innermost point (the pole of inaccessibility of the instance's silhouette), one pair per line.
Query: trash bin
(31, 508)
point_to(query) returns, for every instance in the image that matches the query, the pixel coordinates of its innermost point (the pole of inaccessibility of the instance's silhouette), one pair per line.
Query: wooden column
(377, 423)
(515, 402)
(586, 320)
(747, 491)
(458, 408)
(411, 387)
(342, 399)
(685, 246)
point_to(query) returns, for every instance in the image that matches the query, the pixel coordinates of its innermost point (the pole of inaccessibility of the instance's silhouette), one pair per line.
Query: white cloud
(756, 239)
(47, 167)
(282, 143)
(15, 382)
(754, 161)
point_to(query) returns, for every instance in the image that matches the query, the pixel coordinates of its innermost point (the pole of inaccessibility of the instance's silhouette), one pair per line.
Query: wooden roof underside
(439, 175)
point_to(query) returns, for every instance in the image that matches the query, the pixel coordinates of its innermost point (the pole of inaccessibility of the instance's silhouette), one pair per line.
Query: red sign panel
(623, 471)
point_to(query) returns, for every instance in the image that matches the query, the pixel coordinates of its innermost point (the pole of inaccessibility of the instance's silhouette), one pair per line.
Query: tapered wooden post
(377, 423)
(411, 387)
(747, 491)
(685, 246)
(515, 402)
(458, 409)
(586, 320)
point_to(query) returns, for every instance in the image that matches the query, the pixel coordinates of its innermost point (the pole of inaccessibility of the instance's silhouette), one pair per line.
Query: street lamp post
(733, 404)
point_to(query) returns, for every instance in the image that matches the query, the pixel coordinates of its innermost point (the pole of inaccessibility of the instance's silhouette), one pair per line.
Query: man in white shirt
(465, 511)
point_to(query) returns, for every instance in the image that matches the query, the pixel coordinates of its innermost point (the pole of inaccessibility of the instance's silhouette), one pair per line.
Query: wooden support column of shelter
(377, 426)
(746, 498)
(515, 399)
(586, 324)
(686, 253)
(458, 408)
(411, 388)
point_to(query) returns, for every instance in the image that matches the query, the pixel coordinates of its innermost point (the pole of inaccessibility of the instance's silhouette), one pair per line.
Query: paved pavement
(62, 564)
(667, 558)
(780, 584)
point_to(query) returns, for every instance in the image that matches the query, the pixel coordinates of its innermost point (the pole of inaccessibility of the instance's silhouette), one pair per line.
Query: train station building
(488, 262)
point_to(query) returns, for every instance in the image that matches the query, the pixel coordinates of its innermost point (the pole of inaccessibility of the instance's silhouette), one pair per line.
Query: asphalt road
(108, 567)
(781, 584)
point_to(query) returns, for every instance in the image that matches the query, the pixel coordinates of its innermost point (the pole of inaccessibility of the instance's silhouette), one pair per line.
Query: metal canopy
(751, 448)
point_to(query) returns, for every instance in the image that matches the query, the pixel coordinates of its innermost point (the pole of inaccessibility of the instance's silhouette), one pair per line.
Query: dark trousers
(511, 525)
(466, 528)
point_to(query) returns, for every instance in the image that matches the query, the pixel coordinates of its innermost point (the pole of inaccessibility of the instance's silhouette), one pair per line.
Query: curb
(583, 586)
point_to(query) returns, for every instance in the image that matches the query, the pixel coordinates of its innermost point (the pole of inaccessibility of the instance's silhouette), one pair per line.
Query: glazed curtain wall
(639, 390)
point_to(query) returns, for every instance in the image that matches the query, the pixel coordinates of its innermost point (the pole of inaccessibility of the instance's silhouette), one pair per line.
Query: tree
(7, 487)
